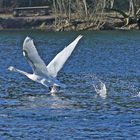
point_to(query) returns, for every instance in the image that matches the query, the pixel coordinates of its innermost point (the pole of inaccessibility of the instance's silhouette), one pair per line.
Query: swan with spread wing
(46, 75)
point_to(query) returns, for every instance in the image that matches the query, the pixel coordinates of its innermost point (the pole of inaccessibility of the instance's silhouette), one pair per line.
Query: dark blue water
(28, 111)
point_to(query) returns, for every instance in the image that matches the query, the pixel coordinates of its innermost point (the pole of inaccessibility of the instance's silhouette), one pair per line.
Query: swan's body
(45, 75)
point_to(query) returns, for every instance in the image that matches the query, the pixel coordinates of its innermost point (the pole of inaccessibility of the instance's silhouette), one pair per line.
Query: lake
(27, 109)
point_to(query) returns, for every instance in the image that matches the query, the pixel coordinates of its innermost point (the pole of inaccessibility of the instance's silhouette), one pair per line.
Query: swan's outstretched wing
(57, 63)
(32, 56)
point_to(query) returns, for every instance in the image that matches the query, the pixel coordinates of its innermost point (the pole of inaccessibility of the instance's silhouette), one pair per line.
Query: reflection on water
(101, 101)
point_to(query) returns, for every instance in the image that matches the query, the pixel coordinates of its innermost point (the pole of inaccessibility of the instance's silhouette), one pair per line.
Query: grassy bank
(48, 23)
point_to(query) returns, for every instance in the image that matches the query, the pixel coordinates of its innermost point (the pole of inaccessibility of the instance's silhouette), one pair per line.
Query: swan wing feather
(59, 60)
(32, 56)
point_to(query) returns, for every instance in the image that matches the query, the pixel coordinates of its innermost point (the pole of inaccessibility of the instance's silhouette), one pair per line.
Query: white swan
(43, 74)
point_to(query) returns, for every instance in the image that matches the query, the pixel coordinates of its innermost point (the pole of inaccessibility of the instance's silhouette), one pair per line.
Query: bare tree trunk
(78, 14)
(112, 4)
(55, 11)
(132, 8)
(64, 7)
(85, 6)
(69, 10)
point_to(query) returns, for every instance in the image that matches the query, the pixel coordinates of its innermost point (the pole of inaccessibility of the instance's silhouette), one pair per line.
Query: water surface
(28, 111)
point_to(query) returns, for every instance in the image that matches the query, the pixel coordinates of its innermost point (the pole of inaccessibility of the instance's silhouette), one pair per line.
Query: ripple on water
(28, 110)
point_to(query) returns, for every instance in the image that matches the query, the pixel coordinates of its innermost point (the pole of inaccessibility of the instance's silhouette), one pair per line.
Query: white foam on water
(99, 87)
(138, 94)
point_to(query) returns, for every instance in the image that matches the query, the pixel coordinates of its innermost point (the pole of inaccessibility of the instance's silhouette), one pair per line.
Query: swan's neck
(21, 72)
(30, 76)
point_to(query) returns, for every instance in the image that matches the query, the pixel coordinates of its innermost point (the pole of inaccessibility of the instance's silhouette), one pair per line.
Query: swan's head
(11, 68)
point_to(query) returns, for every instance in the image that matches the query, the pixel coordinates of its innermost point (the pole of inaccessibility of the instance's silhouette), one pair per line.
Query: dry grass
(6, 15)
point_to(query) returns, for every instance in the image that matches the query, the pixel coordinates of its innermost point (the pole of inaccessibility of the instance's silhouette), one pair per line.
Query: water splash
(99, 86)
(138, 94)
(94, 82)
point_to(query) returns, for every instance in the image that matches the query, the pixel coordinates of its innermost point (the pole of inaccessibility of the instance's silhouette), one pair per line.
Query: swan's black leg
(50, 88)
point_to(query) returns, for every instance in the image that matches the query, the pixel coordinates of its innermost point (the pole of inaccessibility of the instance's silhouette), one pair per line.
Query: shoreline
(27, 23)
(46, 23)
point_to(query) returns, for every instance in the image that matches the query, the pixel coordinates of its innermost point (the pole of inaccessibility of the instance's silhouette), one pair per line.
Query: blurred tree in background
(23, 3)
(120, 4)
(88, 13)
